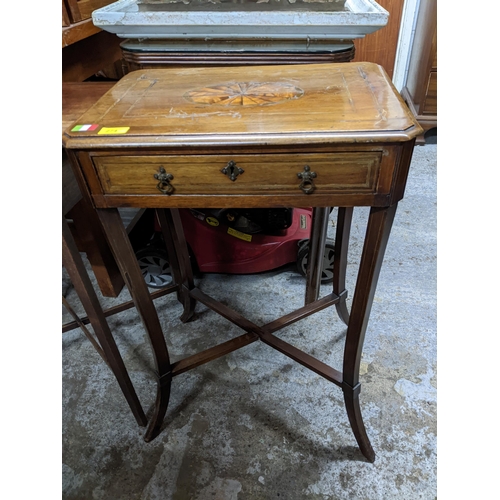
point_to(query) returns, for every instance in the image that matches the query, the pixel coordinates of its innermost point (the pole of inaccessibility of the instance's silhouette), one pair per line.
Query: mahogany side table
(241, 137)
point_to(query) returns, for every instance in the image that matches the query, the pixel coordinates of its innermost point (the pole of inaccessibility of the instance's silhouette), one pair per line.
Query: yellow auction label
(238, 234)
(212, 221)
(113, 130)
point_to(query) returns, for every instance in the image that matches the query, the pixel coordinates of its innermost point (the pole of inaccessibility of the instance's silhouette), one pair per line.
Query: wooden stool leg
(317, 243)
(73, 263)
(173, 234)
(171, 251)
(95, 246)
(131, 272)
(377, 234)
(344, 219)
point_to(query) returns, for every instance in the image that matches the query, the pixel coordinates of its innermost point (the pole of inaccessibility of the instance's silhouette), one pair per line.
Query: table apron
(223, 201)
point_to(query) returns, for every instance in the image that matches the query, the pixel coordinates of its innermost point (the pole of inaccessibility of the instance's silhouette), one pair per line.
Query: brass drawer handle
(307, 184)
(164, 185)
(232, 170)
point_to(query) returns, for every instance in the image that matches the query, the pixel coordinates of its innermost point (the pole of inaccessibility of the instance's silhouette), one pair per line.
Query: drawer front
(266, 174)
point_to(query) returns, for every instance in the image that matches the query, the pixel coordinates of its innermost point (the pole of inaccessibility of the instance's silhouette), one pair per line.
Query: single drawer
(251, 174)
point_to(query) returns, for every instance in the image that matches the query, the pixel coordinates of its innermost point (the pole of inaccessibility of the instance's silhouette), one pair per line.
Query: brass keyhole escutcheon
(164, 179)
(307, 176)
(232, 170)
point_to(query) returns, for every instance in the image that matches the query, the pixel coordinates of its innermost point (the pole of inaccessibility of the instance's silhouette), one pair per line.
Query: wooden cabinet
(77, 19)
(420, 90)
(79, 10)
(86, 49)
(65, 15)
(380, 47)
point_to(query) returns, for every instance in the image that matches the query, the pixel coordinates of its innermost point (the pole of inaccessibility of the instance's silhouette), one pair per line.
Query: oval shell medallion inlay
(245, 94)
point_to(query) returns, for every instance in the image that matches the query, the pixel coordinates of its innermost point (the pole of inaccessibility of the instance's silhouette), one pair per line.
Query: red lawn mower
(237, 241)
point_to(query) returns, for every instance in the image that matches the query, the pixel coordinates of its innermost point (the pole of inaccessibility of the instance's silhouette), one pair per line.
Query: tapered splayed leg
(161, 405)
(171, 225)
(317, 243)
(106, 347)
(177, 262)
(172, 255)
(351, 399)
(377, 235)
(344, 219)
(131, 272)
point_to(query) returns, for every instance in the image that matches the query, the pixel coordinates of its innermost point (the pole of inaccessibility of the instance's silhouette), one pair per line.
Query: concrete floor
(255, 425)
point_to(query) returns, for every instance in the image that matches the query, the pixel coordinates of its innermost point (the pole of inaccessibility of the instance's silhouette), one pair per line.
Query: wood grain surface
(346, 102)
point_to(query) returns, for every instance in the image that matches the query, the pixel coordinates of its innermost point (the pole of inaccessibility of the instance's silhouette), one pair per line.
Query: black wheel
(327, 272)
(155, 266)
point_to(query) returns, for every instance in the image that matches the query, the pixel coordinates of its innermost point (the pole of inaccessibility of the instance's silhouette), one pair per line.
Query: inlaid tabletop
(260, 104)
